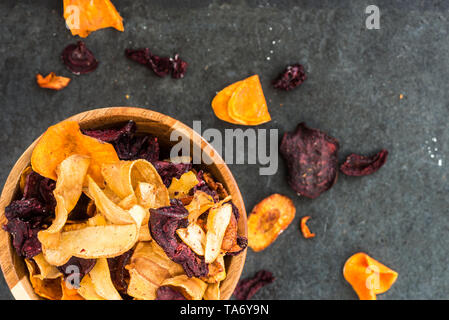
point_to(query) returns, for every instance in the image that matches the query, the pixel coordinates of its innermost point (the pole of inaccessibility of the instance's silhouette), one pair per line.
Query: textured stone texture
(355, 76)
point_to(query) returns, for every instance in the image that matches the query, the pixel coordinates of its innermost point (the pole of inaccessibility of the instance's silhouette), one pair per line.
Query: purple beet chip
(246, 288)
(169, 170)
(119, 274)
(290, 78)
(79, 59)
(357, 165)
(179, 67)
(168, 293)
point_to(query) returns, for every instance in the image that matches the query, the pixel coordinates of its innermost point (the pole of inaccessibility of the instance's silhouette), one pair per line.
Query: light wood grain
(148, 121)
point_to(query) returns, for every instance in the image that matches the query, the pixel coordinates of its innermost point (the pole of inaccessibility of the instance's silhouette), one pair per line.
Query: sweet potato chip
(69, 293)
(247, 104)
(200, 203)
(87, 289)
(46, 288)
(367, 276)
(71, 173)
(268, 219)
(84, 17)
(194, 237)
(138, 178)
(217, 222)
(191, 288)
(212, 291)
(52, 81)
(65, 139)
(181, 187)
(305, 229)
(23, 178)
(96, 241)
(101, 278)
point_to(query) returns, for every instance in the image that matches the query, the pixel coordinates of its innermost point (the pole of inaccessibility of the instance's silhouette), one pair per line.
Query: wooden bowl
(148, 121)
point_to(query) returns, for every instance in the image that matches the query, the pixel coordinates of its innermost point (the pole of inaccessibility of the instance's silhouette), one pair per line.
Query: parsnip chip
(96, 241)
(65, 139)
(46, 270)
(194, 237)
(191, 288)
(87, 289)
(69, 294)
(71, 173)
(212, 292)
(106, 206)
(200, 203)
(47, 288)
(125, 178)
(217, 222)
(217, 271)
(139, 287)
(181, 187)
(144, 233)
(101, 278)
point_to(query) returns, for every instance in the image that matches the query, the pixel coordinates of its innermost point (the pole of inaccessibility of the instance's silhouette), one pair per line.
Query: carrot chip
(367, 276)
(52, 81)
(305, 229)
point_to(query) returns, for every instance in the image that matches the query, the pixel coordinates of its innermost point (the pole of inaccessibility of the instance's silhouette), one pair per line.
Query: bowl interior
(148, 121)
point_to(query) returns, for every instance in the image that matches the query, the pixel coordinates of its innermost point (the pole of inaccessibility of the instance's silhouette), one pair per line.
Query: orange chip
(268, 219)
(52, 81)
(367, 276)
(83, 17)
(69, 293)
(242, 102)
(65, 139)
(247, 104)
(220, 102)
(305, 229)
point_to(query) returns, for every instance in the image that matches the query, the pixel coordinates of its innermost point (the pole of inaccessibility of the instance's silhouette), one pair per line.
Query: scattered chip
(356, 165)
(268, 219)
(247, 288)
(305, 229)
(52, 81)
(367, 276)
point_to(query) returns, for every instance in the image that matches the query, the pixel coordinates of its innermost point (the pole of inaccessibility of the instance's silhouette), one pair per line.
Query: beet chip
(312, 162)
(246, 288)
(112, 135)
(167, 293)
(169, 170)
(356, 165)
(119, 274)
(77, 268)
(163, 225)
(161, 66)
(290, 78)
(78, 59)
(24, 237)
(203, 186)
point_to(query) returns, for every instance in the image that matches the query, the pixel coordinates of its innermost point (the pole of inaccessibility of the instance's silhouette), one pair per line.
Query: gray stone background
(355, 77)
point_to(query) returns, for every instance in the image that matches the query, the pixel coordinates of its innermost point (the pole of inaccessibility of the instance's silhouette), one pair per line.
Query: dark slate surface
(398, 215)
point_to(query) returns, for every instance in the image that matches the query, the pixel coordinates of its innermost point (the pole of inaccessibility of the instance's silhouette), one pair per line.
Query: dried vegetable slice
(305, 229)
(268, 219)
(367, 276)
(357, 165)
(191, 288)
(84, 17)
(69, 293)
(52, 81)
(182, 186)
(46, 288)
(212, 291)
(217, 222)
(101, 279)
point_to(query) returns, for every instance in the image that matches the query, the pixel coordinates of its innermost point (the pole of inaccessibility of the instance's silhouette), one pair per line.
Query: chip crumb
(401, 96)
(127, 96)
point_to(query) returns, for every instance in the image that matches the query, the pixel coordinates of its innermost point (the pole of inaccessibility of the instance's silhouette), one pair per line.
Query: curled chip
(181, 187)
(87, 289)
(101, 279)
(140, 288)
(194, 237)
(52, 81)
(356, 165)
(212, 291)
(96, 241)
(305, 229)
(268, 219)
(46, 270)
(65, 139)
(71, 173)
(69, 293)
(217, 222)
(311, 157)
(200, 203)
(137, 178)
(367, 276)
(191, 288)
(83, 17)
(46, 288)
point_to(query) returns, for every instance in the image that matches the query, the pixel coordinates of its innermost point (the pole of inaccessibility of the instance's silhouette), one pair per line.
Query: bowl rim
(11, 264)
